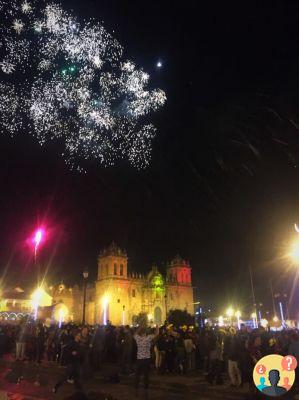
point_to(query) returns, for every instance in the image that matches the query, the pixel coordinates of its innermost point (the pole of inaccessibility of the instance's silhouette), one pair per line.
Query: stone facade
(120, 296)
(117, 295)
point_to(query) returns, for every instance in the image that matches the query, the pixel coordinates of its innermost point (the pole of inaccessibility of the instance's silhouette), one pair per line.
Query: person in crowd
(51, 346)
(73, 359)
(233, 355)
(20, 342)
(127, 346)
(144, 343)
(169, 353)
(160, 352)
(216, 360)
(40, 342)
(98, 347)
(180, 351)
(190, 351)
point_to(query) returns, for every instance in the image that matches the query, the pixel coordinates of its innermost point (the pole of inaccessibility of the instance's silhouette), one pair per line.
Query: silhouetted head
(274, 377)
(141, 331)
(262, 380)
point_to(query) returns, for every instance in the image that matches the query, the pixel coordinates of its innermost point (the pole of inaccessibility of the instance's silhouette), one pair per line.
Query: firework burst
(65, 80)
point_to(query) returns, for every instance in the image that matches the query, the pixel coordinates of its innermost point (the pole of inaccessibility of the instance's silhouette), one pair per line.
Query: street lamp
(166, 310)
(238, 315)
(254, 320)
(230, 313)
(294, 252)
(85, 277)
(105, 309)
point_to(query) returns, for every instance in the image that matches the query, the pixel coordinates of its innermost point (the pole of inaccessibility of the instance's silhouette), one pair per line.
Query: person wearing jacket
(73, 359)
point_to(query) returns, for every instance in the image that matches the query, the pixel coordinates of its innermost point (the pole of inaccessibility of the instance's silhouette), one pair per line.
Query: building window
(121, 271)
(115, 269)
(133, 293)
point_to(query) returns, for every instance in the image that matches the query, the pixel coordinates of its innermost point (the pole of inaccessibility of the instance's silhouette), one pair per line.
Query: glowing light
(105, 302)
(18, 26)
(229, 312)
(275, 319)
(159, 64)
(281, 313)
(26, 7)
(150, 317)
(61, 313)
(264, 323)
(69, 81)
(36, 299)
(220, 320)
(254, 320)
(37, 240)
(238, 315)
(294, 253)
(296, 228)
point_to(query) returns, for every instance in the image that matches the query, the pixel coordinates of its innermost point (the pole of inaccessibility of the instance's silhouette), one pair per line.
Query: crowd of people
(217, 352)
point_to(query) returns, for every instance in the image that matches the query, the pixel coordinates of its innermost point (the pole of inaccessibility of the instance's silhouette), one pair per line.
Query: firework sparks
(18, 26)
(67, 80)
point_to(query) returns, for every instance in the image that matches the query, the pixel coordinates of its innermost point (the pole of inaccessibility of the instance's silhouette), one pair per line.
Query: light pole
(85, 277)
(230, 313)
(166, 310)
(238, 315)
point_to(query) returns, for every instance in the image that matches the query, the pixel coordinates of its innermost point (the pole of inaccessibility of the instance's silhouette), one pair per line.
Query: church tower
(112, 263)
(179, 290)
(179, 272)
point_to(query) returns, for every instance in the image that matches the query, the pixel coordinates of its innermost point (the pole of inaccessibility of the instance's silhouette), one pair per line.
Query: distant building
(120, 296)
(117, 295)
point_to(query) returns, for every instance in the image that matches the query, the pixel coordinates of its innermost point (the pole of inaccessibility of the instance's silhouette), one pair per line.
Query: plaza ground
(38, 382)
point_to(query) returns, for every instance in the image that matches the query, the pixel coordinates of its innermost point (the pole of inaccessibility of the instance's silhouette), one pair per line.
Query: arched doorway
(158, 316)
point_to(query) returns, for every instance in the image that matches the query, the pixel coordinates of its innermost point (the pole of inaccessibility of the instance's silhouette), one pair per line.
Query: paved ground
(38, 381)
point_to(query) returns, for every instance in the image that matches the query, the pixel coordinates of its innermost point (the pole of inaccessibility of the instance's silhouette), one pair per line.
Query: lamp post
(166, 310)
(238, 315)
(85, 277)
(230, 312)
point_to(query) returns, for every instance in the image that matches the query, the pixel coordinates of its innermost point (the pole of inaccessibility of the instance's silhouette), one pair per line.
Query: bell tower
(112, 263)
(179, 272)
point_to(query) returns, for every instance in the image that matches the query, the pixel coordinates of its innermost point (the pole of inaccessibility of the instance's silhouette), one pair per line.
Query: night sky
(222, 189)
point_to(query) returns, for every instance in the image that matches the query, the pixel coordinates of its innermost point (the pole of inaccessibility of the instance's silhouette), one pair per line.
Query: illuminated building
(120, 296)
(117, 295)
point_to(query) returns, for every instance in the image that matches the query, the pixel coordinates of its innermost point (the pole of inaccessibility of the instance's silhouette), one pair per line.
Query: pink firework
(37, 239)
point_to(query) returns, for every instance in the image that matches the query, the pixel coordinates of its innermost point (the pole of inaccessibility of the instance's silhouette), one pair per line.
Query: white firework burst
(7, 67)
(72, 84)
(26, 7)
(18, 25)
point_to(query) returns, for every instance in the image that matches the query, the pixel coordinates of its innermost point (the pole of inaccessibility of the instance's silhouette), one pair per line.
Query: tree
(178, 318)
(142, 319)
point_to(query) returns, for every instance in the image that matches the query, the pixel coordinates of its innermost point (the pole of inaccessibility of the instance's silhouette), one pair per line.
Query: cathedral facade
(119, 296)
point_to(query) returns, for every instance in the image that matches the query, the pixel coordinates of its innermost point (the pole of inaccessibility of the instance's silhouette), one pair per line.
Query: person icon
(286, 383)
(274, 390)
(262, 385)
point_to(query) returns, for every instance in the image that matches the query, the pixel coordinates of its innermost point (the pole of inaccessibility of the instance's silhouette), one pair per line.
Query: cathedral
(119, 296)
